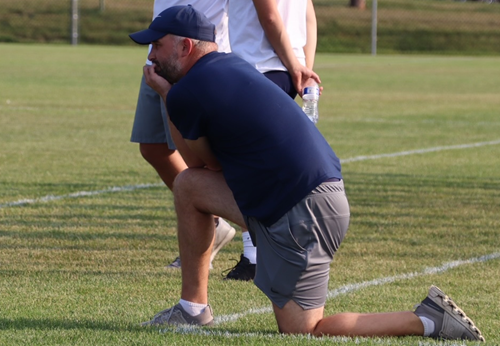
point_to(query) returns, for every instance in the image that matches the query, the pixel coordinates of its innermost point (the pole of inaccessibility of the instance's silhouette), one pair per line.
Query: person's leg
(157, 143)
(292, 319)
(151, 131)
(323, 215)
(199, 194)
(168, 163)
(298, 250)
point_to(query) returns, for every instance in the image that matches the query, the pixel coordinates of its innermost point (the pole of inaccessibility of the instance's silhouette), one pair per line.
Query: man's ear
(187, 47)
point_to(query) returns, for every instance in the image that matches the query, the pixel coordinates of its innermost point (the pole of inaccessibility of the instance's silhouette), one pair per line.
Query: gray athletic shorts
(294, 254)
(151, 122)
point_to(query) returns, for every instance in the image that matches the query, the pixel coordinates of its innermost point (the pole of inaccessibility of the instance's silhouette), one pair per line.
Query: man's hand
(155, 81)
(302, 76)
(310, 82)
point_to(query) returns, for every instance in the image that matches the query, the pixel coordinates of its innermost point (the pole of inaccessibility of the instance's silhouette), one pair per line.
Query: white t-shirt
(249, 41)
(215, 10)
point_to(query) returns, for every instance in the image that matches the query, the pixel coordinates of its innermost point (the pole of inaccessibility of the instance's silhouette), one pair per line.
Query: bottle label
(314, 90)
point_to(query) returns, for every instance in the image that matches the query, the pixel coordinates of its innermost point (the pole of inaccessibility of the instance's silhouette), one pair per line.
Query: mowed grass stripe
(147, 186)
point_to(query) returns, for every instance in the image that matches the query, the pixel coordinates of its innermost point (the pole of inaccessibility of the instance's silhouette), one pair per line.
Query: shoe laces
(167, 313)
(237, 268)
(457, 311)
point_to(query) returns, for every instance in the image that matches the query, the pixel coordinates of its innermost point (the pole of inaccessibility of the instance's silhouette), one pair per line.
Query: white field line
(145, 186)
(51, 198)
(420, 151)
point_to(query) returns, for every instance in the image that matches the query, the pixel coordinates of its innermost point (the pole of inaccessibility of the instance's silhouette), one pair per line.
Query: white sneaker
(224, 233)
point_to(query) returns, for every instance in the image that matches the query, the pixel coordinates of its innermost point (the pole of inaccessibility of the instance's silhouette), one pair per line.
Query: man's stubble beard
(170, 68)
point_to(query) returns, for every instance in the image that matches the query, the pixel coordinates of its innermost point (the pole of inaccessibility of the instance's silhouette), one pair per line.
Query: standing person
(262, 164)
(151, 125)
(278, 38)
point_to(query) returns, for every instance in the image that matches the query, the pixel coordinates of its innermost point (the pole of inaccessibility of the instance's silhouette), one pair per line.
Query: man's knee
(307, 327)
(185, 182)
(293, 319)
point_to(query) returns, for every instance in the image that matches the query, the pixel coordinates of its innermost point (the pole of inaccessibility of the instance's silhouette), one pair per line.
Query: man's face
(165, 57)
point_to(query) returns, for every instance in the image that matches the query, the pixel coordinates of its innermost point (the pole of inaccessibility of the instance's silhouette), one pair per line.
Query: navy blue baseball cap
(182, 21)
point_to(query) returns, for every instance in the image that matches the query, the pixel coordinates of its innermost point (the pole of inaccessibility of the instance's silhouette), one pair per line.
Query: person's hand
(310, 82)
(155, 81)
(302, 75)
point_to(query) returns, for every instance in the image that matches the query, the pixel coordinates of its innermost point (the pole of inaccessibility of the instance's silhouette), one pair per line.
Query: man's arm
(162, 87)
(272, 23)
(201, 148)
(190, 158)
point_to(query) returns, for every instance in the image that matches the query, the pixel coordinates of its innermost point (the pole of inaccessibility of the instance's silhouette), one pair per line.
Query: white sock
(194, 309)
(249, 251)
(429, 325)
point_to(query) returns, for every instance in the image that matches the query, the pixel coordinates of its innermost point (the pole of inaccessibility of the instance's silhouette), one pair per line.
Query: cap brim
(146, 36)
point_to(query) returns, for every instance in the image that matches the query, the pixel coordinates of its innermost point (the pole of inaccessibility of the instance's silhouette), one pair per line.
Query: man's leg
(151, 131)
(157, 146)
(293, 319)
(199, 194)
(437, 316)
(168, 163)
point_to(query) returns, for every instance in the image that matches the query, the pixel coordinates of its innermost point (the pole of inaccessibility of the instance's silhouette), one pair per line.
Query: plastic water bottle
(310, 98)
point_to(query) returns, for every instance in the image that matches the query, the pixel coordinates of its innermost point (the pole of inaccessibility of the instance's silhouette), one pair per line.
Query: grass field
(86, 227)
(425, 26)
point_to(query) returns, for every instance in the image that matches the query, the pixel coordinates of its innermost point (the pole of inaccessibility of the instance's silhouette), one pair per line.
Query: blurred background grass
(437, 26)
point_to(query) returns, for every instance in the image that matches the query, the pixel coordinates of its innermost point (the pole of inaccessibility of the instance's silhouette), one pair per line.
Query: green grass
(86, 270)
(425, 26)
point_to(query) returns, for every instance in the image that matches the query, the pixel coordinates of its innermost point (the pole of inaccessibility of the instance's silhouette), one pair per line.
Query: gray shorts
(151, 122)
(294, 254)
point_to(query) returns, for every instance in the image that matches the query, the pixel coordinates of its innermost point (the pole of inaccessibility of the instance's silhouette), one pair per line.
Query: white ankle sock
(429, 325)
(194, 309)
(249, 251)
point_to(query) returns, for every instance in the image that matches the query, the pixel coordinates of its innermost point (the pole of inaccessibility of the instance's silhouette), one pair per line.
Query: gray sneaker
(450, 321)
(224, 232)
(176, 315)
(176, 264)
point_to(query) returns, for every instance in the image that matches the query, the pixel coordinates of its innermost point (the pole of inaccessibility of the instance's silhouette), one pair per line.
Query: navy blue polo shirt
(271, 154)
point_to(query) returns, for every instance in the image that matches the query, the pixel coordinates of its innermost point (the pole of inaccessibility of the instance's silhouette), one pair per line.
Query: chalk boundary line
(51, 198)
(421, 151)
(126, 188)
